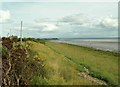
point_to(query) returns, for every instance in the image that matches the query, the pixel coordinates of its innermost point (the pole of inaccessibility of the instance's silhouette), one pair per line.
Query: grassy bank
(66, 63)
(100, 64)
(59, 70)
(49, 63)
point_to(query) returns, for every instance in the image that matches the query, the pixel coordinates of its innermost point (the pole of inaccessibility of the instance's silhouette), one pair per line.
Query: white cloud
(79, 19)
(72, 26)
(46, 24)
(88, 21)
(42, 26)
(4, 16)
(109, 22)
(49, 27)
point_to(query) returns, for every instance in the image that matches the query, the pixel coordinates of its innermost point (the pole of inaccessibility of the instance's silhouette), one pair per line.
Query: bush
(4, 52)
(19, 66)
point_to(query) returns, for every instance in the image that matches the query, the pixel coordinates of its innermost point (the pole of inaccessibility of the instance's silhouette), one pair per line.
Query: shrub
(19, 66)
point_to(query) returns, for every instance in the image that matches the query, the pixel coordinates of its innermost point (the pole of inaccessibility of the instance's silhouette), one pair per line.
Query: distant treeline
(50, 39)
(34, 39)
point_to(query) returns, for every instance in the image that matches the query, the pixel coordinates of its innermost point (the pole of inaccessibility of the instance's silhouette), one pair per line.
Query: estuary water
(106, 44)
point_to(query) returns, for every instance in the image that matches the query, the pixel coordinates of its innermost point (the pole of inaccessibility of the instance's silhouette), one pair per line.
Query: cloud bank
(109, 22)
(77, 25)
(4, 16)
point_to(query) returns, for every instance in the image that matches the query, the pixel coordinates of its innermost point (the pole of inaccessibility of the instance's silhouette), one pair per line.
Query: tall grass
(59, 71)
(101, 64)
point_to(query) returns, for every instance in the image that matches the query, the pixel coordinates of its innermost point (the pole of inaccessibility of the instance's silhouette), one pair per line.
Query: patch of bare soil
(88, 77)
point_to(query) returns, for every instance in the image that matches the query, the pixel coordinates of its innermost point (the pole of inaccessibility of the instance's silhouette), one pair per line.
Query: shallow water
(102, 44)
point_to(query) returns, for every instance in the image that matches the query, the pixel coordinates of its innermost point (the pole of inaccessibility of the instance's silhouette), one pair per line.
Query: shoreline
(89, 47)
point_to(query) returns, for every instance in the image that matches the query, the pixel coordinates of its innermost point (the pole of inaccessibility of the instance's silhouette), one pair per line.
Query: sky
(59, 19)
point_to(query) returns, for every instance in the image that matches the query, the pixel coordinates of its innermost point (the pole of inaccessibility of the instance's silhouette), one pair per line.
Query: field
(51, 63)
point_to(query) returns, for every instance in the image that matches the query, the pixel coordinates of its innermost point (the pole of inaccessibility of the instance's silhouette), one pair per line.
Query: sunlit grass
(59, 70)
(103, 65)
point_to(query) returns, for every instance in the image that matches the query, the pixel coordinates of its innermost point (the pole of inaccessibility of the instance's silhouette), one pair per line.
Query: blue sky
(60, 19)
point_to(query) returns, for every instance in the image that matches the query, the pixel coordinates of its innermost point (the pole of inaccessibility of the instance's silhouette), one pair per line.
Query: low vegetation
(40, 62)
(18, 64)
(100, 64)
(59, 70)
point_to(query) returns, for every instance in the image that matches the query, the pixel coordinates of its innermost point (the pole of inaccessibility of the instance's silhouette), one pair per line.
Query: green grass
(101, 64)
(60, 71)
(64, 62)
